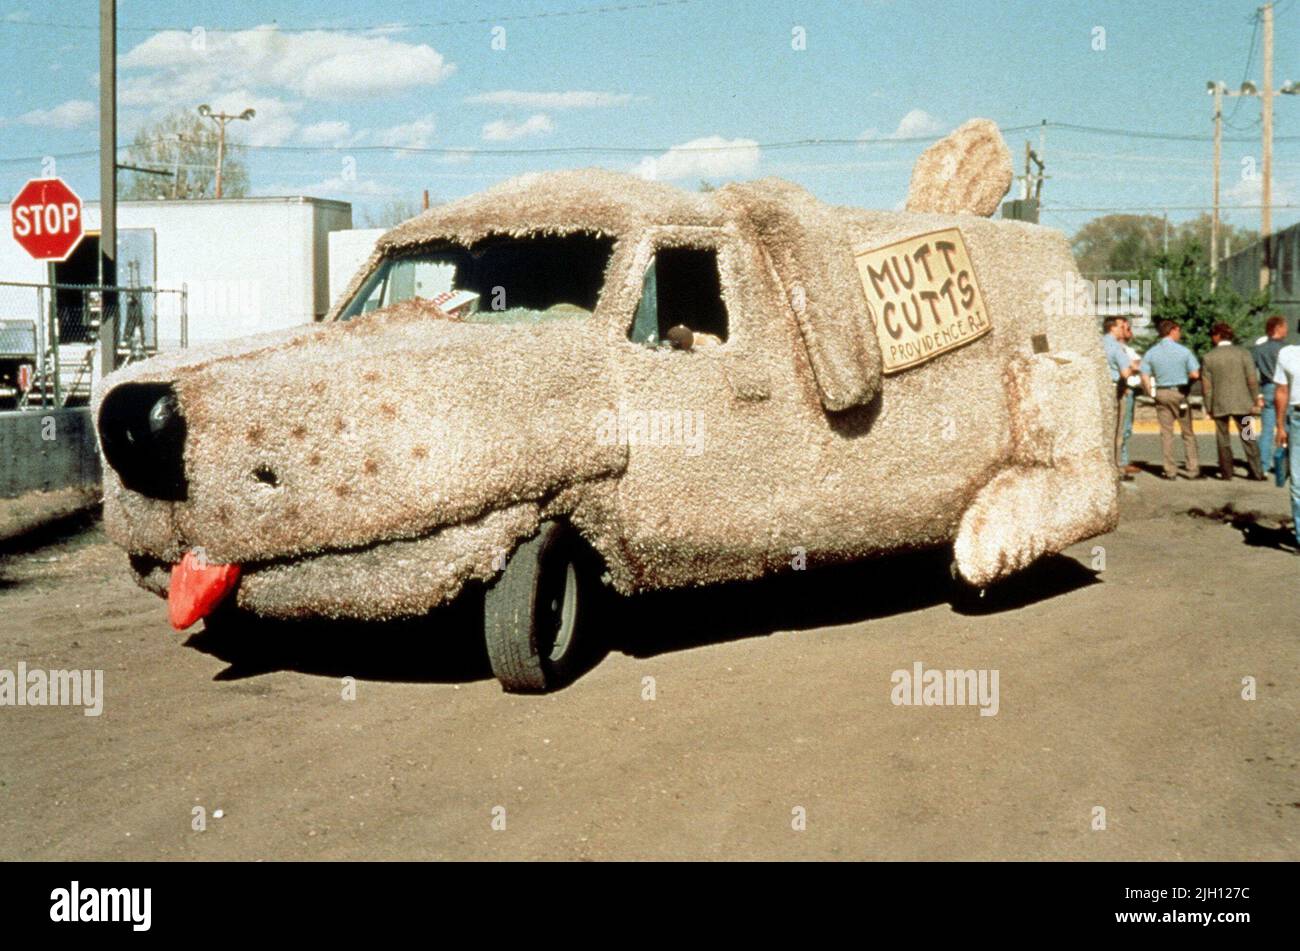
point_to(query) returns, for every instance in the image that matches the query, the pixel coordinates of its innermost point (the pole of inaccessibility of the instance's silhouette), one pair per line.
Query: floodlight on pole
(221, 118)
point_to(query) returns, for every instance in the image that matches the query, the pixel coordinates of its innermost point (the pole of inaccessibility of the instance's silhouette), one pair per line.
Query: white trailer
(247, 265)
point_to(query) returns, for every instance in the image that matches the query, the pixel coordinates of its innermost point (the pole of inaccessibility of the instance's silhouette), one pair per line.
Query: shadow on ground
(447, 646)
(66, 530)
(1257, 530)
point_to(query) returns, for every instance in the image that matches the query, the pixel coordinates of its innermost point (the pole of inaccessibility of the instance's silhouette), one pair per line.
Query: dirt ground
(1119, 688)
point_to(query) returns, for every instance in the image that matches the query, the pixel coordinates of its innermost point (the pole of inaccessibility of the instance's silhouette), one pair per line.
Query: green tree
(184, 146)
(1119, 246)
(1180, 282)
(1124, 246)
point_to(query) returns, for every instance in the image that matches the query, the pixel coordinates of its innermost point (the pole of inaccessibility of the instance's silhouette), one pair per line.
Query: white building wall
(348, 251)
(329, 221)
(15, 263)
(249, 265)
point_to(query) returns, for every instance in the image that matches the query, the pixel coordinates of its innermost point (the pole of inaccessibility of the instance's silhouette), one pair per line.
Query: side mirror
(681, 337)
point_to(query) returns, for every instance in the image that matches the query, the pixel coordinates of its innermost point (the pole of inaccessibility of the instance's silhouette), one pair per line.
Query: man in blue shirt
(1168, 370)
(1116, 331)
(1265, 355)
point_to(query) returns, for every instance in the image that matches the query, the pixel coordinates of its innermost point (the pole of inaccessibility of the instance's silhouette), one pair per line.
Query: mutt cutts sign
(923, 296)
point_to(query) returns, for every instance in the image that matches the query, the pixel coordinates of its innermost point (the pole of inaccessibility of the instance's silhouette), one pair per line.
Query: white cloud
(66, 115)
(503, 130)
(319, 64)
(330, 132)
(1249, 190)
(709, 157)
(915, 125)
(576, 99)
(409, 135)
(338, 186)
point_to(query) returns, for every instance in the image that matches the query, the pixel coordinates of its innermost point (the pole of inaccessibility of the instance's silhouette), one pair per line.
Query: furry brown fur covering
(408, 455)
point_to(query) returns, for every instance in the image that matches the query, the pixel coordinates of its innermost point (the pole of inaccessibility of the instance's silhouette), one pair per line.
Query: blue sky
(338, 86)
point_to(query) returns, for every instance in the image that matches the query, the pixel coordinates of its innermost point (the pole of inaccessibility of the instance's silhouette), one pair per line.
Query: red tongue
(196, 589)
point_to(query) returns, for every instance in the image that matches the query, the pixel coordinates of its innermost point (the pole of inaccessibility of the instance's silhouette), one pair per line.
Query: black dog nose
(142, 433)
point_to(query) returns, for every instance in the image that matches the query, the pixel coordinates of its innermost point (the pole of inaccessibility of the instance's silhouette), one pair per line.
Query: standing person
(1115, 331)
(1132, 385)
(1287, 432)
(1265, 354)
(1231, 388)
(1168, 370)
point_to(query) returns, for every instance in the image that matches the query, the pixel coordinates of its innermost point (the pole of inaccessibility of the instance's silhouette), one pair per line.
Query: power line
(1250, 59)
(1163, 136)
(470, 151)
(1060, 209)
(380, 27)
(821, 142)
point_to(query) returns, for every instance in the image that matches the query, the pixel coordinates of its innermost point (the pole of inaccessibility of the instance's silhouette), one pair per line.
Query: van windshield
(505, 280)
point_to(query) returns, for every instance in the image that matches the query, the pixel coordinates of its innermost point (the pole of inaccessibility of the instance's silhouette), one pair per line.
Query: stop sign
(46, 218)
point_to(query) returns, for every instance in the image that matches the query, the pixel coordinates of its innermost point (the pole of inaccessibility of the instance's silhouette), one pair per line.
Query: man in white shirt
(1287, 397)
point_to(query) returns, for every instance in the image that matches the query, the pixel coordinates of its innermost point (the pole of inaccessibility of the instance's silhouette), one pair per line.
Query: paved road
(1119, 688)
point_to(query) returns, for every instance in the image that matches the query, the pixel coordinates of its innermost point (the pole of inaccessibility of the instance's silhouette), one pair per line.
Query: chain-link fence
(50, 353)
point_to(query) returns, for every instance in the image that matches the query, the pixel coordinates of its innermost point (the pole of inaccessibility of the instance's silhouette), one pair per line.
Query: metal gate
(50, 352)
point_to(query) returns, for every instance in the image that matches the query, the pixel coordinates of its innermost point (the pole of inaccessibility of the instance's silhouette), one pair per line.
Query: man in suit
(1231, 388)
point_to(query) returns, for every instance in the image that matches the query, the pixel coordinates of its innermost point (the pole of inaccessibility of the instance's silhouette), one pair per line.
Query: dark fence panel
(1241, 271)
(47, 450)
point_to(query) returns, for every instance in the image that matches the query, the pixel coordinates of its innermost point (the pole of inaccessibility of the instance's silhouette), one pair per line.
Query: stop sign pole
(108, 182)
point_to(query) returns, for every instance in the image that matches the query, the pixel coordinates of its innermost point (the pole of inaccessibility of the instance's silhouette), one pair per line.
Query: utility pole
(1033, 181)
(1164, 250)
(221, 118)
(1266, 196)
(1216, 89)
(107, 270)
(176, 165)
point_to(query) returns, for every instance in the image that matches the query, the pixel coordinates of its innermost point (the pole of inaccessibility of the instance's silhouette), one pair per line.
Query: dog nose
(142, 434)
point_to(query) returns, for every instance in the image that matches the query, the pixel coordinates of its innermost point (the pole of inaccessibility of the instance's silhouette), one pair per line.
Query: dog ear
(966, 173)
(814, 262)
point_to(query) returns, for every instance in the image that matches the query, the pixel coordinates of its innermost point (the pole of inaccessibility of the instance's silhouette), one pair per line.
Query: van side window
(681, 286)
(502, 279)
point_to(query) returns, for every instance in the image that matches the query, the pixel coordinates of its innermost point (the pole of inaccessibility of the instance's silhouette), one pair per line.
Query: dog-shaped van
(580, 369)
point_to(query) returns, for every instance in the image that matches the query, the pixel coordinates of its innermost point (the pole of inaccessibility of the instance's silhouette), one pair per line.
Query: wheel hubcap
(561, 606)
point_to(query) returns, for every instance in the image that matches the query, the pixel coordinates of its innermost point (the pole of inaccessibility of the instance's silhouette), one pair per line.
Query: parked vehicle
(640, 388)
(17, 360)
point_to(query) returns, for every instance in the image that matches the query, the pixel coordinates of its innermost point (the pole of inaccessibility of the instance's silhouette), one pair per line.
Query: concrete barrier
(46, 451)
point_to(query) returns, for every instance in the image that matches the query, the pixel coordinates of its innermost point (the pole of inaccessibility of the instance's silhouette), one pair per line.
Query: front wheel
(536, 615)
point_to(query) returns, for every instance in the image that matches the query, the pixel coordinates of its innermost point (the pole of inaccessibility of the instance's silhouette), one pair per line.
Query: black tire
(536, 615)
